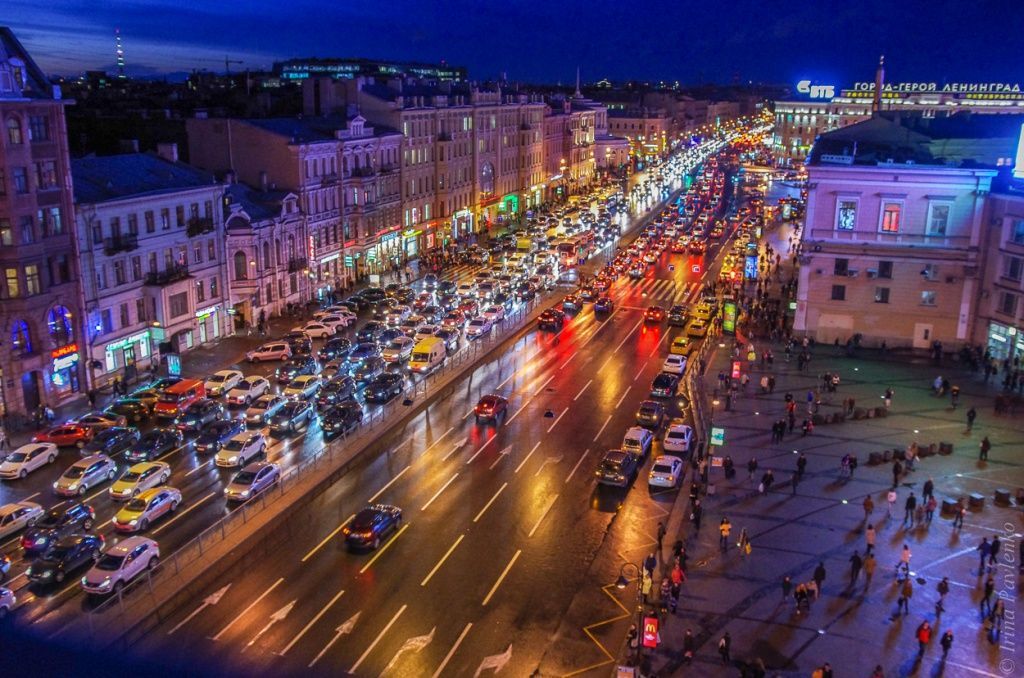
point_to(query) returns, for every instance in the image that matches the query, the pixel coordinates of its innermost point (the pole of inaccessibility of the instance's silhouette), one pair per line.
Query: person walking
(801, 465)
(906, 593)
(869, 538)
(751, 469)
(929, 509)
(996, 618)
(724, 645)
(993, 550)
(929, 489)
(689, 646)
(819, 576)
(744, 543)
(924, 636)
(695, 516)
(897, 470)
(888, 397)
(661, 536)
(787, 586)
(3, 440)
(946, 642)
(856, 563)
(908, 509)
(724, 528)
(905, 561)
(943, 589)
(984, 549)
(958, 517)
(972, 414)
(983, 449)
(986, 598)
(869, 569)
(890, 498)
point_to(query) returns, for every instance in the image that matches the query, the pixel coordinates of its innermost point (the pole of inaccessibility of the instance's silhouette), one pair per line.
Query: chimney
(263, 181)
(168, 151)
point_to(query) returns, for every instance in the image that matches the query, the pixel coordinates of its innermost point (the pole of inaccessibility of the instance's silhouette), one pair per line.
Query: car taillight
(92, 512)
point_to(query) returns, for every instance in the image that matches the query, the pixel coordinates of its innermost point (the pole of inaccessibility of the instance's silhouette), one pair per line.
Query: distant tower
(578, 95)
(119, 51)
(876, 103)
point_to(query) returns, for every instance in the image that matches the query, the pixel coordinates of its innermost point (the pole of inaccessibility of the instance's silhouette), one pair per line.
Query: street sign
(349, 260)
(717, 436)
(173, 365)
(650, 632)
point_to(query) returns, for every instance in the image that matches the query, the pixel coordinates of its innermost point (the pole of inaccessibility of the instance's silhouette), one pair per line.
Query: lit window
(891, 215)
(927, 298)
(846, 214)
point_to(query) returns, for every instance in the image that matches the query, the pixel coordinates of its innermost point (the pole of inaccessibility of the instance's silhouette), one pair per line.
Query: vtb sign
(816, 91)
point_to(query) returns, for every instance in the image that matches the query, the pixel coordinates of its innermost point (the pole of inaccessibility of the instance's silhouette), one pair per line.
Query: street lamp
(714, 404)
(621, 583)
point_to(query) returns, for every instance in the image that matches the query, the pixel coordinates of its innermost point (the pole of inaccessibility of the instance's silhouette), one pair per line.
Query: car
(148, 507)
(240, 449)
(369, 369)
(384, 387)
(469, 307)
(450, 337)
(494, 313)
(299, 342)
(430, 281)
(274, 350)
(63, 558)
(454, 319)
(654, 314)
(697, 328)
(154, 443)
(373, 295)
(465, 290)
(371, 524)
(638, 440)
(604, 304)
(304, 386)
(294, 415)
(424, 331)
(199, 414)
(56, 524)
(219, 383)
(26, 459)
(650, 414)
(85, 474)
(678, 438)
(335, 348)
(213, 437)
(252, 480)
(702, 311)
(342, 417)
(588, 293)
(552, 320)
(667, 471)
(98, 420)
(681, 345)
(111, 441)
(398, 350)
(67, 435)
(397, 315)
(337, 321)
(618, 468)
(139, 478)
(247, 390)
(674, 364)
(571, 303)
(265, 407)
(665, 385)
(18, 516)
(120, 564)
(363, 352)
(131, 409)
(370, 332)
(677, 316)
(491, 407)
(478, 327)
(335, 391)
(164, 383)
(316, 330)
(297, 366)
(335, 368)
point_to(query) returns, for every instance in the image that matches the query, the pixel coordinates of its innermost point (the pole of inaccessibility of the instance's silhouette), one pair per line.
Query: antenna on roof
(119, 53)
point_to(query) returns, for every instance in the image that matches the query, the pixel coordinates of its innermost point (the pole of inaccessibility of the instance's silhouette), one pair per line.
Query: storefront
(380, 256)
(462, 223)
(328, 280)
(208, 323)
(64, 370)
(412, 237)
(126, 352)
(1005, 342)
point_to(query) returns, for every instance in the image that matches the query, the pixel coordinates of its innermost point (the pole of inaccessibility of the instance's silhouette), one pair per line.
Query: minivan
(178, 397)
(427, 354)
(638, 441)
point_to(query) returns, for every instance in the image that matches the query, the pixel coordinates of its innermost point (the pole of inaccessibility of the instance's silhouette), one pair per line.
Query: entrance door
(202, 331)
(30, 390)
(923, 335)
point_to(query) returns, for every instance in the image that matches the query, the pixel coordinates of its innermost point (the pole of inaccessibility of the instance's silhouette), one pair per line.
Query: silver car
(263, 409)
(252, 480)
(85, 474)
(14, 517)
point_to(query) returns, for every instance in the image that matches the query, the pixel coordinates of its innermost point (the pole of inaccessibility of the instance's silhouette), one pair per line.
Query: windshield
(612, 466)
(137, 505)
(244, 477)
(233, 445)
(396, 345)
(217, 378)
(420, 357)
(245, 385)
(676, 434)
(662, 468)
(110, 563)
(172, 398)
(58, 552)
(131, 476)
(261, 404)
(17, 457)
(74, 472)
(51, 519)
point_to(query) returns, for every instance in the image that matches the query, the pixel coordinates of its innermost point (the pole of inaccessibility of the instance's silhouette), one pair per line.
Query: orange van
(177, 397)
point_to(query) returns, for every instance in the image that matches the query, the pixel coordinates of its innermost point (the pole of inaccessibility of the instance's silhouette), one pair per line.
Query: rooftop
(113, 177)
(306, 130)
(20, 77)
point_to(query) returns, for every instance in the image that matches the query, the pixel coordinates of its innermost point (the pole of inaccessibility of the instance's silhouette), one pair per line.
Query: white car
(85, 474)
(494, 313)
(465, 290)
(248, 390)
(263, 408)
(138, 478)
(336, 322)
(303, 386)
(397, 314)
(274, 350)
(678, 438)
(650, 258)
(14, 517)
(479, 326)
(120, 564)
(674, 364)
(425, 331)
(221, 382)
(398, 350)
(667, 471)
(241, 449)
(7, 602)
(26, 459)
(316, 330)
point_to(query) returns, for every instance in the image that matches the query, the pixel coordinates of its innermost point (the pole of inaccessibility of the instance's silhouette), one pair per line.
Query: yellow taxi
(146, 508)
(681, 345)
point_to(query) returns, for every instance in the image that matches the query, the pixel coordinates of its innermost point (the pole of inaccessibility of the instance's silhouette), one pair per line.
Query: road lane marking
(527, 457)
(542, 515)
(346, 627)
(477, 453)
(205, 463)
(384, 548)
(582, 390)
(544, 385)
(606, 361)
(327, 538)
(175, 450)
(312, 621)
(376, 640)
(247, 609)
(502, 577)
(451, 652)
(183, 513)
(573, 471)
(458, 446)
(489, 502)
(574, 353)
(438, 439)
(641, 371)
(390, 482)
(438, 493)
(601, 430)
(625, 338)
(441, 562)
(504, 452)
(557, 419)
(621, 398)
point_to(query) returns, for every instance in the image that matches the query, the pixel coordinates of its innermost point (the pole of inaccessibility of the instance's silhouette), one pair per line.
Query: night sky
(544, 41)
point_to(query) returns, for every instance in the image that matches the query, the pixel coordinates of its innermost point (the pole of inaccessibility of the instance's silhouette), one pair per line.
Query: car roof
(146, 495)
(679, 427)
(245, 435)
(91, 459)
(144, 465)
(227, 373)
(126, 546)
(11, 508)
(615, 455)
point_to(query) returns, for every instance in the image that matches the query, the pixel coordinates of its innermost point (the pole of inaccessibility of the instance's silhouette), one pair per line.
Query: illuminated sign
(650, 632)
(950, 88)
(204, 312)
(816, 91)
(1018, 168)
(750, 267)
(330, 257)
(65, 362)
(717, 436)
(312, 249)
(64, 351)
(736, 366)
(173, 365)
(729, 317)
(128, 341)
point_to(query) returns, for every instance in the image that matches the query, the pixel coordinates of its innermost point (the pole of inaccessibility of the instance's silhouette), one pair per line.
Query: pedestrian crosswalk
(669, 291)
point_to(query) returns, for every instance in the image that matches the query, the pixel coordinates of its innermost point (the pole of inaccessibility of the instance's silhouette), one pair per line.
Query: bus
(575, 250)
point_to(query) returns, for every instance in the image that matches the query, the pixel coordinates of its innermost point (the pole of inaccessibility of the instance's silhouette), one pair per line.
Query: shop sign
(63, 360)
(816, 91)
(208, 311)
(717, 436)
(330, 257)
(750, 267)
(349, 261)
(128, 341)
(64, 351)
(389, 236)
(729, 317)
(312, 249)
(173, 365)
(410, 233)
(949, 88)
(650, 632)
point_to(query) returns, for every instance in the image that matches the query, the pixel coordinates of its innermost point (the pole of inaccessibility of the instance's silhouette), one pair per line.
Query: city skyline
(160, 38)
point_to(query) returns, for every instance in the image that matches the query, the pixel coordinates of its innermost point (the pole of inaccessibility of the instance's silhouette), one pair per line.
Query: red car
(490, 407)
(654, 314)
(469, 307)
(68, 435)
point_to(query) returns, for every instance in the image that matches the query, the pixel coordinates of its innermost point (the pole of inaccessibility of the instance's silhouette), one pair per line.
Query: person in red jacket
(924, 636)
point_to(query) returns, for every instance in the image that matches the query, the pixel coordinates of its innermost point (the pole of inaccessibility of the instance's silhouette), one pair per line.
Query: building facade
(42, 341)
(150, 234)
(649, 133)
(1000, 324)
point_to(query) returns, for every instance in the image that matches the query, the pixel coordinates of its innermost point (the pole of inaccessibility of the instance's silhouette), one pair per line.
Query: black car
(335, 391)
(389, 335)
(199, 414)
(526, 291)
(450, 338)
(373, 295)
(618, 468)
(363, 352)
(372, 524)
(370, 369)
(111, 440)
(153, 444)
(446, 286)
(64, 557)
(299, 343)
(57, 524)
(336, 348)
(404, 295)
(431, 314)
(355, 303)
(677, 316)
(384, 387)
(341, 417)
(370, 332)
(604, 305)
(448, 302)
(650, 414)
(132, 409)
(391, 289)
(217, 433)
(551, 319)
(295, 366)
(293, 416)
(664, 385)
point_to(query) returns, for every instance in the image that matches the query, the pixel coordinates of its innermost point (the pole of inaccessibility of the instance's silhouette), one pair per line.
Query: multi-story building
(1000, 323)
(649, 132)
(895, 246)
(42, 344)
(339, 69)
(570, 129)
(150, 234)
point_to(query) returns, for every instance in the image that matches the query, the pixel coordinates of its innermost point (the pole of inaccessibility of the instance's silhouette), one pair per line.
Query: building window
(165, 219)
(13, 286)
(214, 292)
(140, 310)
(846, 214)
(842, 267)
(39, 128)
(885, 269)
(21, 338)
(881, 295)
(136, 268)
(125, 319)
(150, 219)
(839, 293)
(1008, 304)
(1012, 268)
(6, 235)
(14, 137)
(200, 291)
(211, 250)
(20, 178)
(106, 321)
(892, 213)
(241, 272)
(178, 304)
(938, 218)
(63, 270)
(56, 221)
(930, 272)
(927, 298)
(120, 275)
(32, 284)
(133, 224)
(197, 253)
(97, 233)
(179, 215)
(3, 184)
(59, 323)
(46, 175)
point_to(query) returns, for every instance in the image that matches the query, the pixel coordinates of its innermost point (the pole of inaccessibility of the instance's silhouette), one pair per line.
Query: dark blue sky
(760, 40)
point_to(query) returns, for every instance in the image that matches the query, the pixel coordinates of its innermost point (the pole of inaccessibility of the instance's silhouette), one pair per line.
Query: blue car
(372, 524)
(363, 352)
(604, 305)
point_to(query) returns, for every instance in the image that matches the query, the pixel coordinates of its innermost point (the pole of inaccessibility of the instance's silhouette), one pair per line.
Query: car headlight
(133, 522)
(56, 485)
(244, 493)
(234, 459)
(40, 541)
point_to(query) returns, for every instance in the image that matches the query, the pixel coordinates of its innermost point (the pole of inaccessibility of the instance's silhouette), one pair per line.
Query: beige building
(649, 132)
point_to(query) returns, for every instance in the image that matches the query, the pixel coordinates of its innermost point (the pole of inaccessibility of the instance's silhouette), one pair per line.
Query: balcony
(363, 172)
(168, 276)
(120, 243)
(199, 226)
(388, 169)
(298, 264)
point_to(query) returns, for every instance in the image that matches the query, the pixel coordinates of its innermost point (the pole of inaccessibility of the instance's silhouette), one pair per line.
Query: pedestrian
(856, 563)
(888, 397)
(766, 481)
(993, 551)
(869, 569)
(972, 414)
(997, 616)
(646, 583)
(943, 589)
(819, 576)
(878, 672)
(696, 515)
(891, 499)
(677, 575)
(801, 465)
(919, 516)
(983, 448)
(751, 468)
(650, 562)
(905, 560)
(3, 440)
(929, 508)
(869, 506)
(946, 642)
(897, 470)
(787, 586)
(958, 518)
(908, 509)
(689, 646)
(869, 538)
(924, 636)
(929, 489)
(986, 599)
(984, 549)
(661, 536)
(906, 592)
(724, 528)
(801, 597)
(744, 543)
(91, 395)
(723, 647)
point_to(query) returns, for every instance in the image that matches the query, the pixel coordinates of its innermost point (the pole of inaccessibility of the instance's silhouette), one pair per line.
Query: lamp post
(621, 583)
(714, 404)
